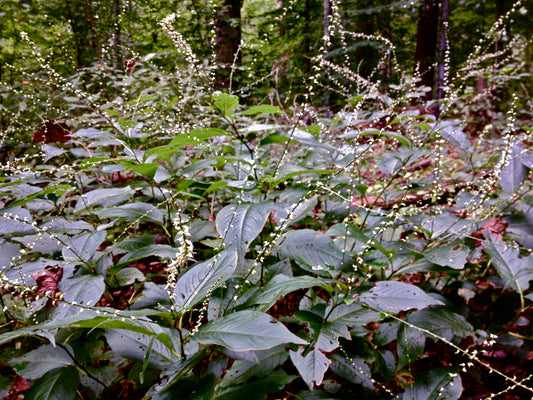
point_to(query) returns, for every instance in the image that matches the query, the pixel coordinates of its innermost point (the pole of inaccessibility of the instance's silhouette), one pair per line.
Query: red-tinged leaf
(52, 132)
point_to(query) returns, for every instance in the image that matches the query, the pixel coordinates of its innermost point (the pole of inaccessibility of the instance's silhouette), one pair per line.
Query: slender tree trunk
(426, 43)
(442, 48)
(227, 39)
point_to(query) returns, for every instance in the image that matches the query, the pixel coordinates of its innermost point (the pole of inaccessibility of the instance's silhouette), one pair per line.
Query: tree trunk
(227, 39)
(443, 44)
(426, 43)
(81, 23)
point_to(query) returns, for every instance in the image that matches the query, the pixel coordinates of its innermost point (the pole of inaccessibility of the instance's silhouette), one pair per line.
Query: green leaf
(79, 291)
(38, 362)
(439, 321)
(135, 345)
(354, 370)
(128, 276)
(262, 109)
(133, 212)
(240, 224)
(112, 113)
(437, 385)
(103, 198)
(274, 382)
(188, 388)
(312, 367)
(515, 172)
(202, 278)
(343, 229)
(312, 250)
(82, 247)
(196, 136)
(282, 285)
(515, 271)
(61, 384)
(15, 220)
(355, 100)
(246, 330)
(451, 255)
(225, 103)
(353, 315)
(395, 296)
(260, 364)
(163, 251)
(274, 139)
(148, 170)
(86, 318)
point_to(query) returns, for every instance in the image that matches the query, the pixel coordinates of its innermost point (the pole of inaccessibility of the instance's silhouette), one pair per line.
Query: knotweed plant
(177, 242)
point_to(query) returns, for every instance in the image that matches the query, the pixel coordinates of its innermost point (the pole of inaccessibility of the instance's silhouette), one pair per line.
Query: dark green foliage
(184, 244)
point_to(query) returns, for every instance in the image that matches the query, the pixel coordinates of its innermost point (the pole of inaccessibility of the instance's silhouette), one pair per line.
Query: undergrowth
(162, 240)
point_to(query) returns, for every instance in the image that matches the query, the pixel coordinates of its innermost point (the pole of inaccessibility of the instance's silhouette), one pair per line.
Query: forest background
(266, 199)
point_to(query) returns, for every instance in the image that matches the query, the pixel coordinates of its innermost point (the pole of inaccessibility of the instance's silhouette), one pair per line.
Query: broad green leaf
(515, 172)
(312, 250)
(60, 384)
(128, 276)
(195, 137)
(103, 198)
(393, 297)
(256, 389)
(451, 255)
(262, 109)
(148, 170)
(187, 388)
(343, 229)
(355, 100)
(82, 247)
(41, 243)
(132, 212)
(454, 134)
(353, 315)
(439, 321)
(312, 367)
(225, 103)
(246, 330)
(8, 251)
(134, 345)
(282, 285)
(261, 365)
(354, 370)
(79, 291)
(329, 335)
(274, 139)
(163, 251)
(38, 362)
(202, 278)
(437, 385)
(240, 224)
(86, 318)
(139, 325)
(16, 220)
(293, 211)
(516, 271)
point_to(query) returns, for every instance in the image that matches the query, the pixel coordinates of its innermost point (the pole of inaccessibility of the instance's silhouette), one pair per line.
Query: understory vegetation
(165, 239)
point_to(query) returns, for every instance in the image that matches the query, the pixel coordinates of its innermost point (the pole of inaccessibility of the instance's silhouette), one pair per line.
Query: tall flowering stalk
(183, 256)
